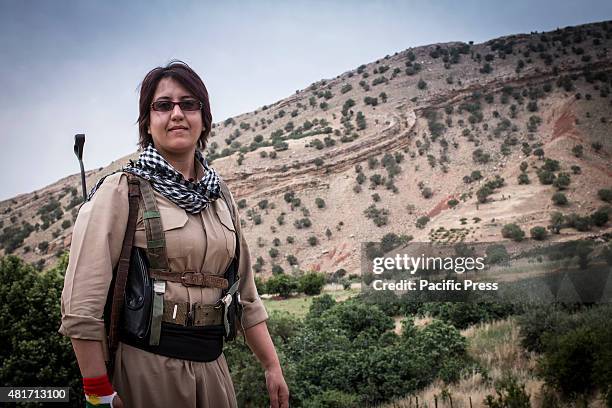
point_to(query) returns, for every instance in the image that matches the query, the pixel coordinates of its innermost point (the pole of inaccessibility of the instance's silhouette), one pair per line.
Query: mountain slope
(414, 124)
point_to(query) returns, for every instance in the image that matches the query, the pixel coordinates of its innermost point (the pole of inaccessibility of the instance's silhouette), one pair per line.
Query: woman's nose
(176, 111)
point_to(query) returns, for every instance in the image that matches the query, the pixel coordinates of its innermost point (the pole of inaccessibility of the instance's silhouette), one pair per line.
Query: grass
(300, 304)
(496, 347)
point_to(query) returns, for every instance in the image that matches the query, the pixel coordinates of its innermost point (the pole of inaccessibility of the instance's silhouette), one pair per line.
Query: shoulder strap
(227, 196)
(232, 273)
(124, 265)
(156, 239)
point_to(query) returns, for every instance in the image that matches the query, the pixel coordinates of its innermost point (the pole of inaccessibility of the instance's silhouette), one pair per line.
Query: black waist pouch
(195, 343)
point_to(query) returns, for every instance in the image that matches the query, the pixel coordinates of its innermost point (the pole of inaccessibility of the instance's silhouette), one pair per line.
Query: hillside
(369, 152)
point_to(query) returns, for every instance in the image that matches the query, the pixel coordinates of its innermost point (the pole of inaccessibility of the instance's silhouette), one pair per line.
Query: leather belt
(199, 315)
(191, 278)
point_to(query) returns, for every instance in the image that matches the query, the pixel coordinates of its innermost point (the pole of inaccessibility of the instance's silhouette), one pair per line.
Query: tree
(311, 283)
(513, 232)
(601, 216)
(605, 194)
(539, 152)
(422, 221)
(562, 181)
(538, 233)
(422, 84)
(33, 353)
(559, 198)
(578, 150)
(281, 284)
(483, 192)
(320, 202)
(546, 177)
(523, 178)
(557, 221)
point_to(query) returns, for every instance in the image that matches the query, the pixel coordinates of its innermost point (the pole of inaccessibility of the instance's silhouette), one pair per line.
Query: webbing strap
(156, 239)
(157, 255)
(123, 266)
(159, 288)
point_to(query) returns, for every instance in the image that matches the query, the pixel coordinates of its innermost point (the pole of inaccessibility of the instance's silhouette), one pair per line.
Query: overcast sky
(74, 66)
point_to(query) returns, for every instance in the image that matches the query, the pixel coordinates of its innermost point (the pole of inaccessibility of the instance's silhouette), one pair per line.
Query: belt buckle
(183, 277)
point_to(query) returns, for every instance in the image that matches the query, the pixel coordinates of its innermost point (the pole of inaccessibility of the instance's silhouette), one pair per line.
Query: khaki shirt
(202, 242)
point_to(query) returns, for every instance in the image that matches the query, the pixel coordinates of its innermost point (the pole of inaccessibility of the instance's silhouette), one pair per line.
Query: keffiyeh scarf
(192, 197)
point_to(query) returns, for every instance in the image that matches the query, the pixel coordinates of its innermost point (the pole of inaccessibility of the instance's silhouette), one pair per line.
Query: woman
(174, 125)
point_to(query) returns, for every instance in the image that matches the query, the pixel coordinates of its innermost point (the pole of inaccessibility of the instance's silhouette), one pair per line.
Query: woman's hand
(117, 402)
(277, 388)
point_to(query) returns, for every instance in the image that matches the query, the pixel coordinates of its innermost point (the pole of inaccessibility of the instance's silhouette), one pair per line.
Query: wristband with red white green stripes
(98, 392)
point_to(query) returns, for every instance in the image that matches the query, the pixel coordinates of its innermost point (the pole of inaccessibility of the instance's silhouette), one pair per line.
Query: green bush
(605, 194)
(601, 216)
(311, 283)
(513, 232)
(559, 198)
(562, 181)
(510, 394)
(422, 221)
(281, 284)
(538, 233)
(33, 353)
(546, 177)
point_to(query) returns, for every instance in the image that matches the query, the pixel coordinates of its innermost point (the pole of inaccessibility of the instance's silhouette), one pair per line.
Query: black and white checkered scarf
(193, 197)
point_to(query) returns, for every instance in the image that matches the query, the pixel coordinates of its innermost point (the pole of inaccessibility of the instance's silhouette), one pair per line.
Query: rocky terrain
(427, 144)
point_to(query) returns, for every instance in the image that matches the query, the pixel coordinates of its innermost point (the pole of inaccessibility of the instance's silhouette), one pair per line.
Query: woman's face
(177, 131)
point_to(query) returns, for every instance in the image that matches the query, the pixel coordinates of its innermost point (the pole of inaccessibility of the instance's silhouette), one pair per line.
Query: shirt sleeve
(97, 240)
(253, 309)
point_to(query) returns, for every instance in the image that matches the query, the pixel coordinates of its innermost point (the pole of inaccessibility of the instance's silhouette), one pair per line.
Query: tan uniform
(202, 242)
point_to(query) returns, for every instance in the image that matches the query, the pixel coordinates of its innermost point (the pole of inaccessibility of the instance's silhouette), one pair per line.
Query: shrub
(538, 233)
(483, 193)
(422, 221)
(422, 84)
(578, 150)
(605, 194)
(426, 192)
(513, 232)
(311, 283)
(562, 181)
(66, 224)
(479, 156)
(601, 216)
(313, 241)
(33, 352)
(559, 199)
(281, 284)
(546, 177)
(292, 260)
(523, 178)
(509, 394)
(452, 203)
(320, 202)
(273, 252)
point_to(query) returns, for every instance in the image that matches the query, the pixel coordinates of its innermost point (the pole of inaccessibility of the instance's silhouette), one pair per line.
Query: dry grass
(496, 347)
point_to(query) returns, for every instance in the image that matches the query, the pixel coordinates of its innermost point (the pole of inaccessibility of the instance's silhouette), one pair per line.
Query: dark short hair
(184, 75)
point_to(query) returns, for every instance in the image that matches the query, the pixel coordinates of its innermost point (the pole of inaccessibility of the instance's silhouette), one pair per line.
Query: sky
(72, 67)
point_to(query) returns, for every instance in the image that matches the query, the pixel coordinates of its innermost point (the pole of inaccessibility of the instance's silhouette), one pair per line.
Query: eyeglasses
(188, 105)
